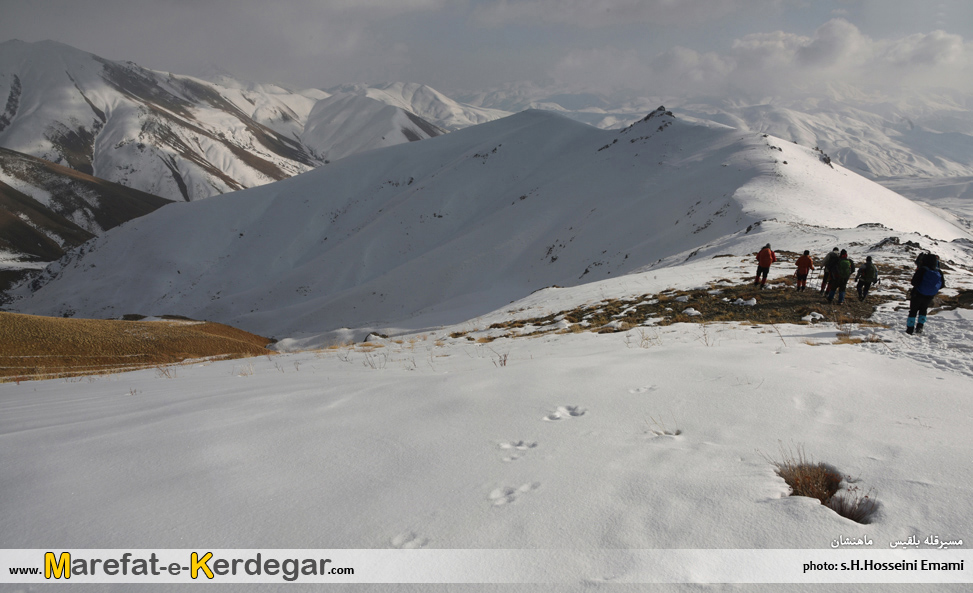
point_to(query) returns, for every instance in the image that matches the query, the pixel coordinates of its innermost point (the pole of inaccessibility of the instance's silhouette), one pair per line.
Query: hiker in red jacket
(765, 257)
(804, 266)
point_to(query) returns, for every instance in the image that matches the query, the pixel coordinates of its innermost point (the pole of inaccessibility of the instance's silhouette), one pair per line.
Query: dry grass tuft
(814, 480)
(846, 338)
(817, 480)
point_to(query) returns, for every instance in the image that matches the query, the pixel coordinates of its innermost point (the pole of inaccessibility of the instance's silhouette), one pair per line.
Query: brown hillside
(33, 347)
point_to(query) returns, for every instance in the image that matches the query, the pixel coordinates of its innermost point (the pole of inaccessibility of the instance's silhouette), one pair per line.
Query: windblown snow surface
(658, 437)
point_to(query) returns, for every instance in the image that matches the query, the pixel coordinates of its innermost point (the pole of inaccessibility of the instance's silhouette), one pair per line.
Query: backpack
(932, 281)
(843, 269)
(869, 273)
(829, 261)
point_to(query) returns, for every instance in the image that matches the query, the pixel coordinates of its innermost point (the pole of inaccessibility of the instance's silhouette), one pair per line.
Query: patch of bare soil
(34, 347)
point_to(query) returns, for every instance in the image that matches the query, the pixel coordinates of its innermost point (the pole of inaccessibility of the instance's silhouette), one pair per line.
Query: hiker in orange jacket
(765, 257)
(804, 266)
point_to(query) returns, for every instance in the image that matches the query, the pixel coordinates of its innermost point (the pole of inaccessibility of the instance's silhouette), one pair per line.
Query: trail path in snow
(946, 343)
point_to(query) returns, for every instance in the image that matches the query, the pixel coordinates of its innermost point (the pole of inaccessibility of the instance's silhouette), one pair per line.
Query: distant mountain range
(179, 137)
(911, 134)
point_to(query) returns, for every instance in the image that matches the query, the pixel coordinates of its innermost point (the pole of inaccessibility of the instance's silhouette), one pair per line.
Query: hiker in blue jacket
(926, 284)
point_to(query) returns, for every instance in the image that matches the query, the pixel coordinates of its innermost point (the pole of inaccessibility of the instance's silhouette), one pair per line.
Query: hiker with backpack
(926, 284)
(826, 265)
(765, 257)
(804, 267)
(867, 275)
(839, 274)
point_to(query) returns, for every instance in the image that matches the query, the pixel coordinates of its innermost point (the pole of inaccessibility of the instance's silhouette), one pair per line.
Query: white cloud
(384, 7)
(835, 44)
(778, 61)
(598, 13)
(929, 50)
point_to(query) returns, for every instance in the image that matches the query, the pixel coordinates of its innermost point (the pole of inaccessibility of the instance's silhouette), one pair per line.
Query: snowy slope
(440, 231)
(345, 124)
(178, 137)
(593, 447)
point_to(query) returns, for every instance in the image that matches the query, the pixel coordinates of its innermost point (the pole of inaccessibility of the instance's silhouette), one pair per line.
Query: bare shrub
(855, 504)
(165, 372)
(376, 361)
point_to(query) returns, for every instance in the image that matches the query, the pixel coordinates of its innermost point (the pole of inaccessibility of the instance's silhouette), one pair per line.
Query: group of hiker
(837, 269)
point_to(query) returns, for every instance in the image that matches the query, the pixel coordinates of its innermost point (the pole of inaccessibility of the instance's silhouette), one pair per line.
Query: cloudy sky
(659, 47)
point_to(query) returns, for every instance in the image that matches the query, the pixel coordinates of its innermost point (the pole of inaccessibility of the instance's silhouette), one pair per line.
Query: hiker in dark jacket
(829, 261)
(840, 272)
(926, 284)
(867, 275)
(765, 257)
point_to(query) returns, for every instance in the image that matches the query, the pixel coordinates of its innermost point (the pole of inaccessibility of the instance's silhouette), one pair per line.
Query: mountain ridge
(175, 136)
(433, 232)
(48, 208)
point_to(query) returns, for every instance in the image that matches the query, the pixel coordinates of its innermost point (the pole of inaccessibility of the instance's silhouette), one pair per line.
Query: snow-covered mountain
(441, 231)
(346, 123)
(178, 137)
(47, 208)
(893, 140)
(927, 135)
(425, 102)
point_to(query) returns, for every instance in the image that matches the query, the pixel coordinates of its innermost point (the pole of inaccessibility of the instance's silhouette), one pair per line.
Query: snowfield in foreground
(565, 440)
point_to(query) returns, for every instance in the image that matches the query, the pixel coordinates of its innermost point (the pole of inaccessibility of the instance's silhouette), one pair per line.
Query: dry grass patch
(847, 338)
(777, 305)
(35, 347)
(822, 482)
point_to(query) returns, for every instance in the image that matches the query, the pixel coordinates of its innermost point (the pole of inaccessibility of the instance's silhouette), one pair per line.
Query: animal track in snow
(408, 540)
(507, 495)
(644, 389)
(565, 412)
(522, 445)
(516, 446)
